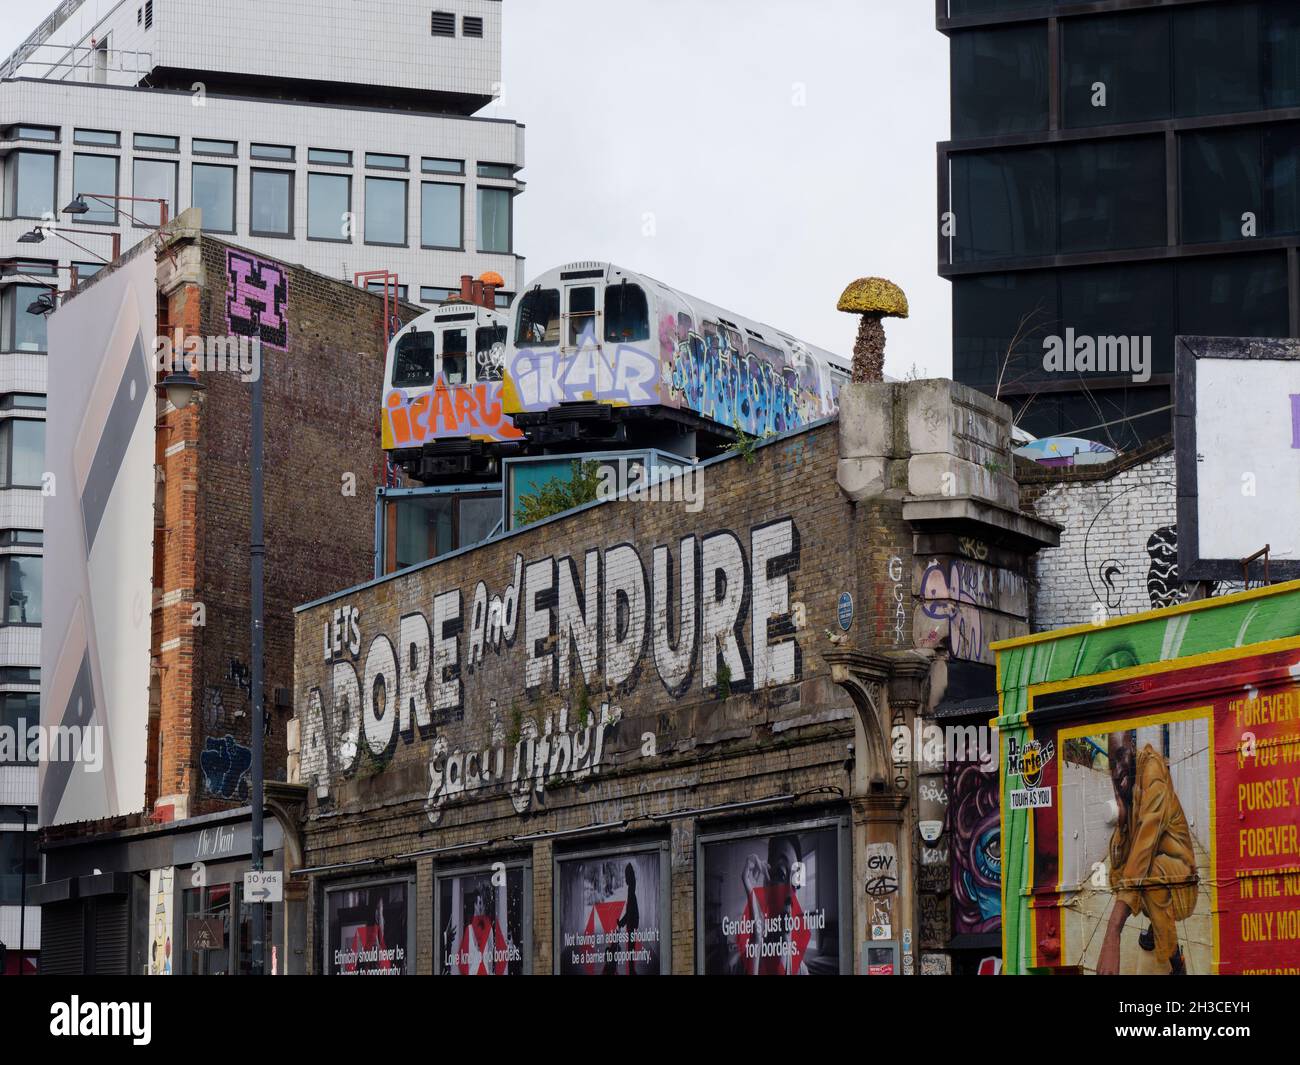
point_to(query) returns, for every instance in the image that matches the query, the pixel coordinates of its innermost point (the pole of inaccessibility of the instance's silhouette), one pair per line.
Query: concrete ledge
(956, 509)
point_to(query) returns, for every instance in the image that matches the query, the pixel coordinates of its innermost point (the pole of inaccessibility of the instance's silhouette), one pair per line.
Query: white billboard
(1237, 425)
(99, 506)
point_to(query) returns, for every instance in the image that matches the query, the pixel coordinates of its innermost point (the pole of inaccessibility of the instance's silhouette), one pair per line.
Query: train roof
(454, 312)
(703, 309)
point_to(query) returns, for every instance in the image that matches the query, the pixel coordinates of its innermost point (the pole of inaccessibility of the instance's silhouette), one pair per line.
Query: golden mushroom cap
(874, 295)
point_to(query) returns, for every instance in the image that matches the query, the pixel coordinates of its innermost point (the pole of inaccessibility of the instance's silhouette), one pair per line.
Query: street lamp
(42, 304)
(36, 235)
(179, 389)
(79, 206)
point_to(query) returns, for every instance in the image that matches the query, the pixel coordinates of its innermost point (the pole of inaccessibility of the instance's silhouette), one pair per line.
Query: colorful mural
(975, 846)
(1164, 838)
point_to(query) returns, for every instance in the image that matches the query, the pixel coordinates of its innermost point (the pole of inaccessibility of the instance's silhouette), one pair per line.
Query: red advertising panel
(1168, 840)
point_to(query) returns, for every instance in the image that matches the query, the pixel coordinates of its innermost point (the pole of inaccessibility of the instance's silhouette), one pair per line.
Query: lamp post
(79, 206)
(179, 389)
(36, 235)
(22, 903)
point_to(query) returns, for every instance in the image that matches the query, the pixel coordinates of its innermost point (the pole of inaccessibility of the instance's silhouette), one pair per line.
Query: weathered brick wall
(322, 383)
(589, 675)
(171, 767)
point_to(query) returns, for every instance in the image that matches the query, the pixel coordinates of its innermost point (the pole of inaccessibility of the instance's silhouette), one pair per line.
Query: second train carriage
(592, 344)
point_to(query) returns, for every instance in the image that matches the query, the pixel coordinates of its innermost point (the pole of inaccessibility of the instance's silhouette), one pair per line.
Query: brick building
(319, 344)
(633, 715)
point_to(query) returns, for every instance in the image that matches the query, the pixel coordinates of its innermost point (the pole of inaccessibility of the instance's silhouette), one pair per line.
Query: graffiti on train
(739, 382)
(474, 411)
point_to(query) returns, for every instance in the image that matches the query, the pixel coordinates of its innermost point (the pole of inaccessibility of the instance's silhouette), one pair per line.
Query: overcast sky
(758, 154)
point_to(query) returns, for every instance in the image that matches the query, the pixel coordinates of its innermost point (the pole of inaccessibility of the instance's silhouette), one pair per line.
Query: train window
(582, 313)
(774, 358)
(455, 356)
(413, 363)
(489, 353)
(539, 318)
(627, 315)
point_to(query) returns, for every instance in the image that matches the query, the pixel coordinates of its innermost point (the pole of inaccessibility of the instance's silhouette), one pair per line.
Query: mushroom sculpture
(875, 299)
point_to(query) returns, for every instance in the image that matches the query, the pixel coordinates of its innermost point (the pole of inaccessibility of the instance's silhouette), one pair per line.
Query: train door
(581, 317)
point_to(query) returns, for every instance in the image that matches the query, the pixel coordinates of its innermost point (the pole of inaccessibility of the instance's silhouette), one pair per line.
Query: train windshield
(455, 356)
(539, 318)
(627, 316)
(413, 363)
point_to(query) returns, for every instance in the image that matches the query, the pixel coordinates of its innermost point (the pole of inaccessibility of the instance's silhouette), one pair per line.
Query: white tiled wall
(131, 111)
(368, 42)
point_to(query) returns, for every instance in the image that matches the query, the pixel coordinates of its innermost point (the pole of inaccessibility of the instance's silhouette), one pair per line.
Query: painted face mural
(1171, 820)
(976, 848)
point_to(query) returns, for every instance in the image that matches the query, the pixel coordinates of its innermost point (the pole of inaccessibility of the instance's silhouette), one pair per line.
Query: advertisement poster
(771, 903)
(366, 928)
(1183, 845)
(609, 919)
(482, 923)
(160, 921)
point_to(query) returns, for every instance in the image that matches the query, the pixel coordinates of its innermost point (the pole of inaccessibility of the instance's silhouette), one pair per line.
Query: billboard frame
(768, 828)
(451, 872)
(412, 932)
(1188, 350)
(612, 850)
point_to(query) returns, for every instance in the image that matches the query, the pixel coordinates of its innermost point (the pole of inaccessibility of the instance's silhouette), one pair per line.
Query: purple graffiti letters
(257, 297)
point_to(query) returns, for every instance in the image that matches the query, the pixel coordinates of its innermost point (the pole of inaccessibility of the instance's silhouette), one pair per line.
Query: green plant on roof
(559, 494)
(744, 444)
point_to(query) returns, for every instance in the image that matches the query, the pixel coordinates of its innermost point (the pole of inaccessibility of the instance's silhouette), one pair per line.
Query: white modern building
(344, 135)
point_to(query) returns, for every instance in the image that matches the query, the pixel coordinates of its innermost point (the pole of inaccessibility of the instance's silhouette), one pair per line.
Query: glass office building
(1120, 173)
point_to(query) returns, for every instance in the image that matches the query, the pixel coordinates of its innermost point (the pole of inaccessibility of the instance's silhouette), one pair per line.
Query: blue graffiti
(712, 376)
(225, 765)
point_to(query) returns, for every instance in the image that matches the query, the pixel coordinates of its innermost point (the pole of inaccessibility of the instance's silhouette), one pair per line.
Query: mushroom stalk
(869, 350)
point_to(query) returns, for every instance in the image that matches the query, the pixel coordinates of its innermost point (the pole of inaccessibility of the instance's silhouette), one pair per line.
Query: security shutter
(63, 937)
(111, 936)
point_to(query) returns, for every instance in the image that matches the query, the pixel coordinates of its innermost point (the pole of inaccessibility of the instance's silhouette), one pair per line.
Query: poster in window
(367, 930)
(481, 917)
(771, 903)
(160, 921)
(609, 915)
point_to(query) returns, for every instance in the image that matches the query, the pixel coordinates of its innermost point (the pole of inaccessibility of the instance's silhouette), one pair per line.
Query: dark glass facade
(1116, 174)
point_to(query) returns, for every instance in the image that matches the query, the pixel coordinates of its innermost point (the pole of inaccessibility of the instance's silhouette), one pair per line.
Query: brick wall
(670, 735)
(322, 369)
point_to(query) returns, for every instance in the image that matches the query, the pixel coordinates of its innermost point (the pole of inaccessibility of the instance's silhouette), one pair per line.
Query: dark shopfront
(161, 900)
(613, 903)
